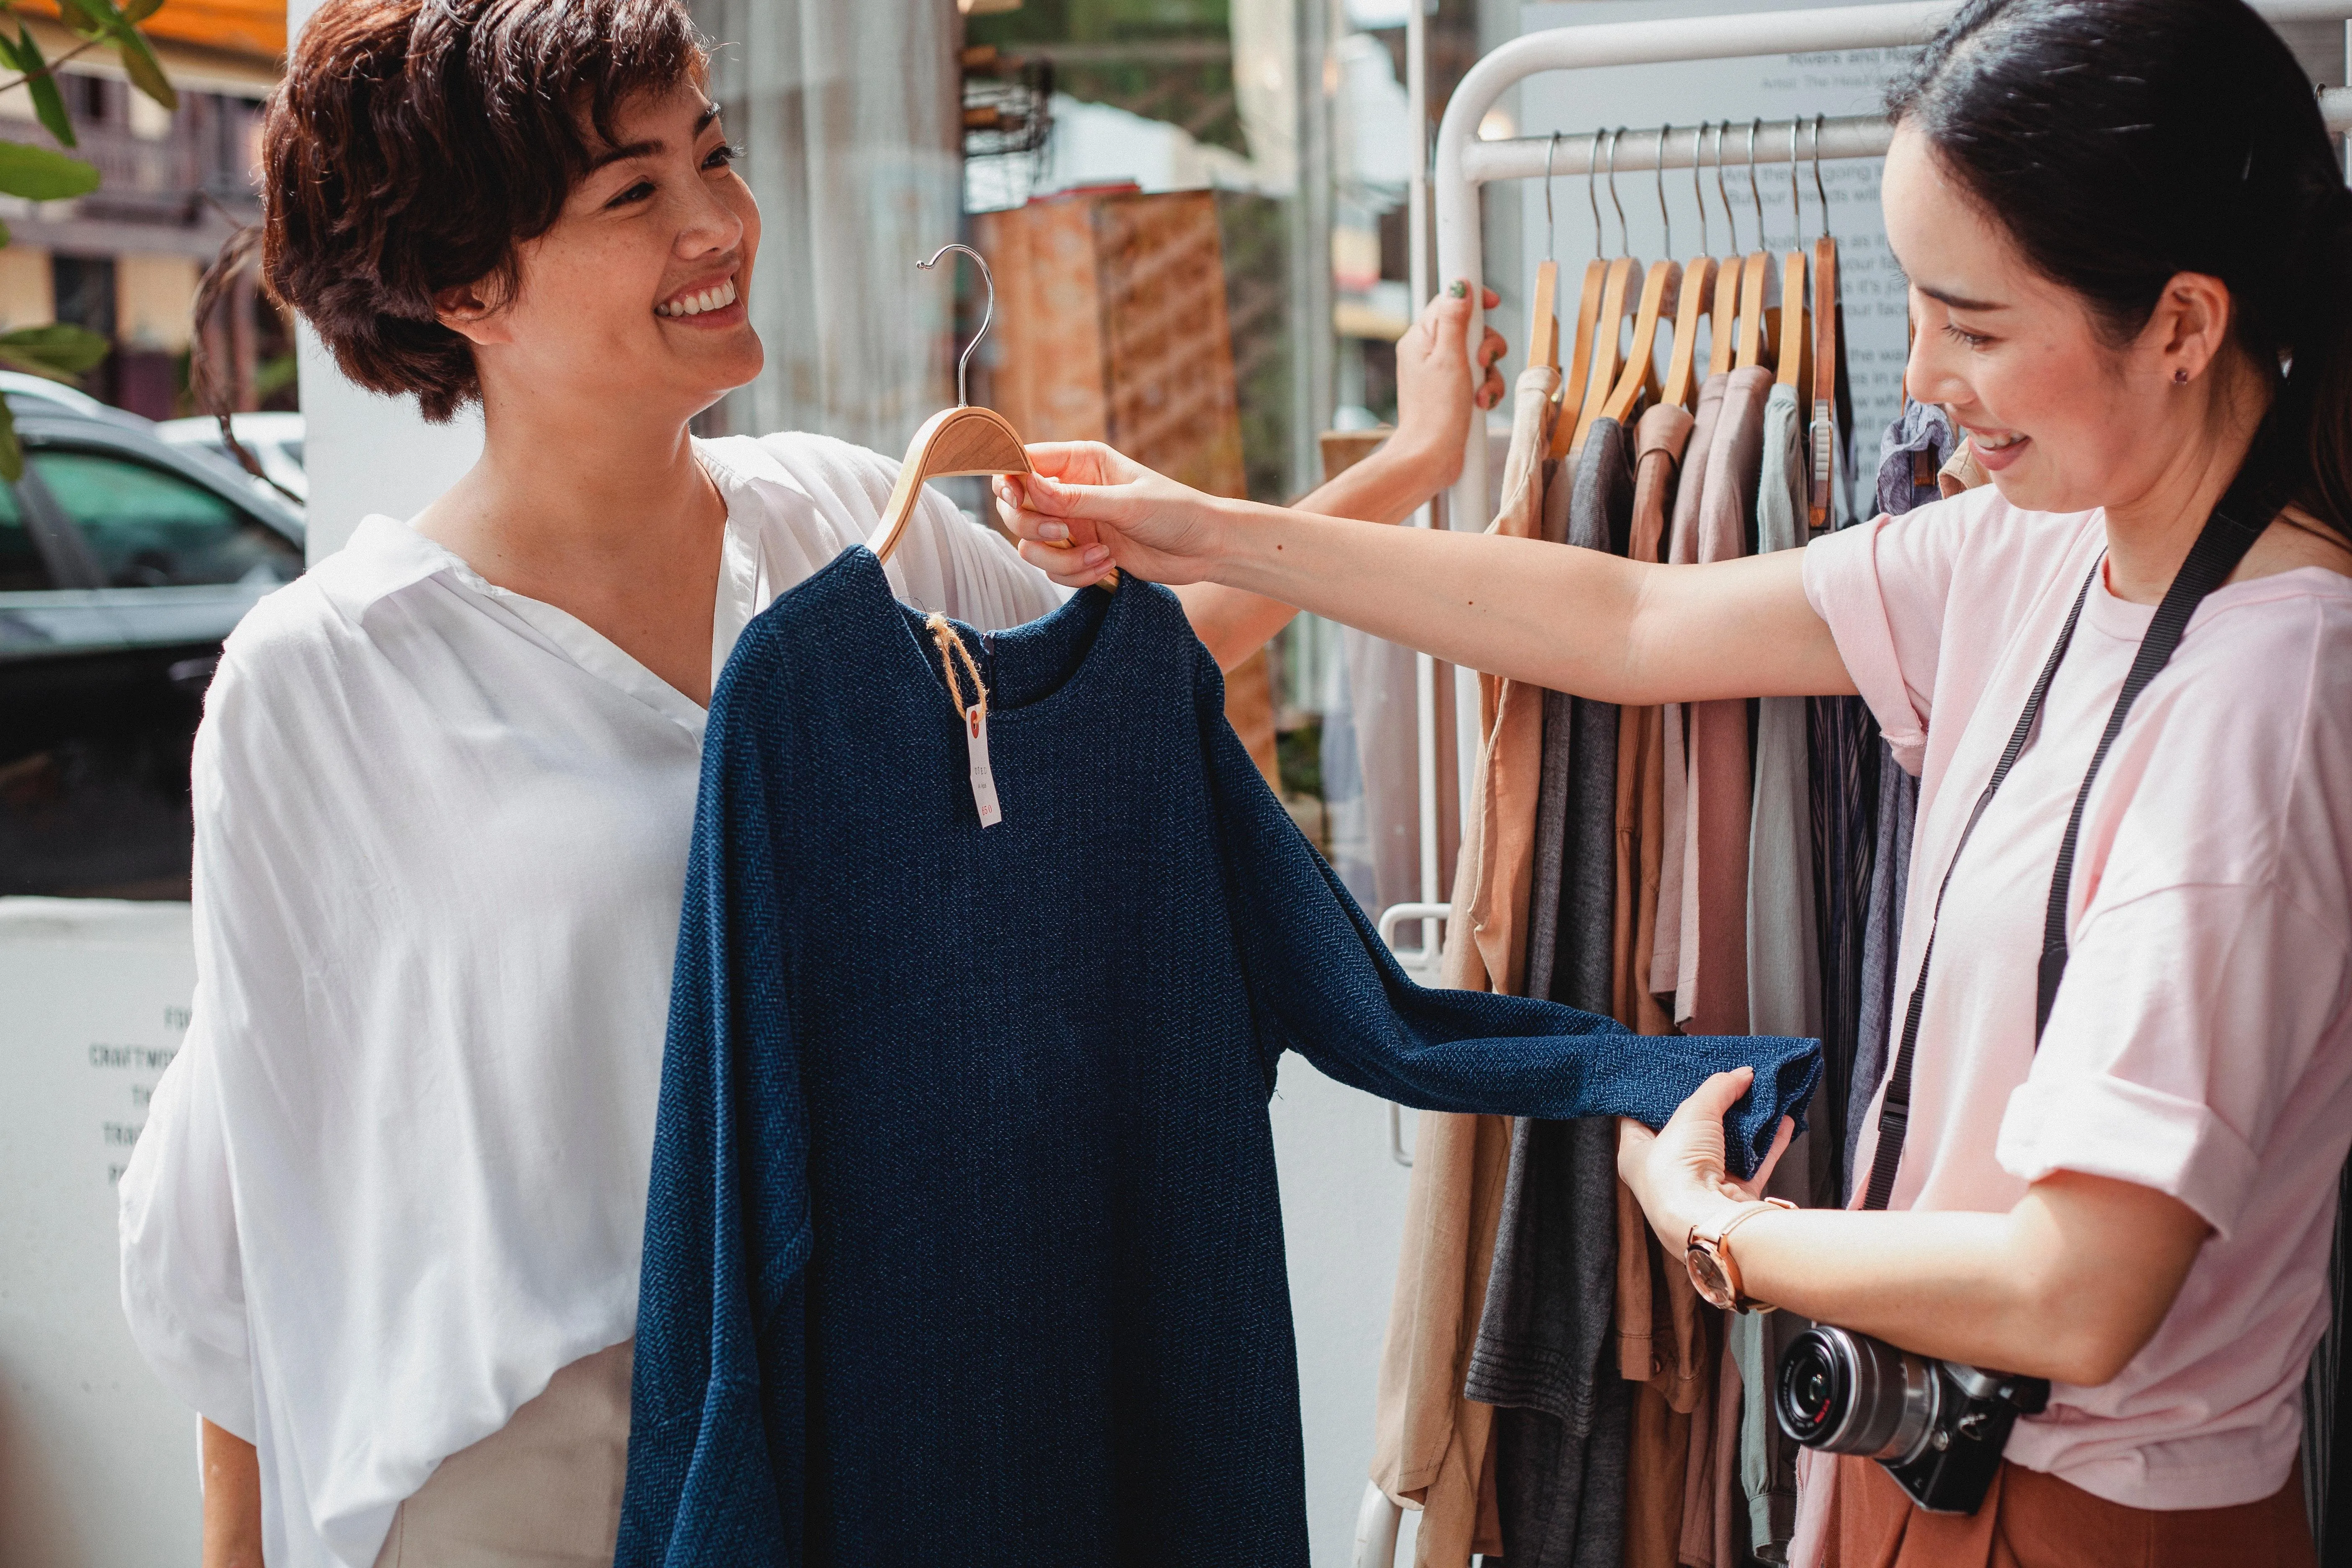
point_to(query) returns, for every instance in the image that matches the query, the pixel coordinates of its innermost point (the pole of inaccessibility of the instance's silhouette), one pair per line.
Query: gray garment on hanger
(1783, 979)
(1915, 446)
(1921, 428)
(1542, 1355)
(1881, 943)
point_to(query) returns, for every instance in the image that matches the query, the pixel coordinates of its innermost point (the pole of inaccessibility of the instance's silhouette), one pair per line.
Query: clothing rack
(1466, 164)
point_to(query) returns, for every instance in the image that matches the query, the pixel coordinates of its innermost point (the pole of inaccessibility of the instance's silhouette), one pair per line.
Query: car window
(150, 529)
(22, 570)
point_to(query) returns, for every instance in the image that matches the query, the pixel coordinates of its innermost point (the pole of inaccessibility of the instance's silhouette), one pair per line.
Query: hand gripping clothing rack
(1466, 164)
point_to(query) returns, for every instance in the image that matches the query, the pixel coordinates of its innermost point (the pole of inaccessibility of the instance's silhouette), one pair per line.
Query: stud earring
(2180, 377)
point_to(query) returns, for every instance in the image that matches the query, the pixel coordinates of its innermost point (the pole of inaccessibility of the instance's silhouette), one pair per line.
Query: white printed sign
(98, 1464)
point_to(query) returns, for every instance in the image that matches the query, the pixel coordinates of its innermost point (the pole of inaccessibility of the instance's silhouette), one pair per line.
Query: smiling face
(639, 288)
(2062, 417)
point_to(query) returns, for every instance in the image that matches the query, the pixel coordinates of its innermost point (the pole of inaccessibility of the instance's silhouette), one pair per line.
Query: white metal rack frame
(1465, 166)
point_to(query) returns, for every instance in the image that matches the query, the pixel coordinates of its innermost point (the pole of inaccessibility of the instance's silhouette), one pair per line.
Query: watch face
(1706, 1275)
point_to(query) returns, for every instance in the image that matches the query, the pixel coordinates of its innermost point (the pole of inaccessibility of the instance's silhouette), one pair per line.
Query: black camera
(1939, 1426)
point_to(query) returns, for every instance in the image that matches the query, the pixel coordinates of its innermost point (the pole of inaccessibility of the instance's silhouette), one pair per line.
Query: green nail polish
(1459, 289)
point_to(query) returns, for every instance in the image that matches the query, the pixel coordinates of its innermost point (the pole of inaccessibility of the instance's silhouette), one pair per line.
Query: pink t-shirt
(2201, 1044)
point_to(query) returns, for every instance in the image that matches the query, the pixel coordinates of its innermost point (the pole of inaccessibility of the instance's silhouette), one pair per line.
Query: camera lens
(1810, 1389)
(1850, 1394)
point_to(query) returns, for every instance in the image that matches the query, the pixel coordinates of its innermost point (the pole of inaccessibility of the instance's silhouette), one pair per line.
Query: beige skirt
(542, 1491)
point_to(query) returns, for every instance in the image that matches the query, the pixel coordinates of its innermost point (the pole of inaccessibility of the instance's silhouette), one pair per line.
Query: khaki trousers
(542, 1491)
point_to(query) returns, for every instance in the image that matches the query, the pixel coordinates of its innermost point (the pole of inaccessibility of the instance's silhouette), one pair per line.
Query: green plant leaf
(140, 10)
(80, 18)
(146, 72)
(4, 234)
(42, 175)
(59, 350)
(12, 456)
(42, 83)
(139, 61)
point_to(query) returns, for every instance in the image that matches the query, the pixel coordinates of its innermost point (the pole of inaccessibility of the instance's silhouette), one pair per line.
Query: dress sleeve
(183, 1290)
(715, 1395)
(181, 1265)
(2188, 1019)
(1323, 983)
(1881, 585)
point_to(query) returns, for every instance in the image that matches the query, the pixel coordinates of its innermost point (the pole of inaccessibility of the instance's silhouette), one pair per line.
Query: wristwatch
(1714, 1275)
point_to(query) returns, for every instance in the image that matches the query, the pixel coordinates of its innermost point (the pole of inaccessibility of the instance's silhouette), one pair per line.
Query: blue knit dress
(963, 1244)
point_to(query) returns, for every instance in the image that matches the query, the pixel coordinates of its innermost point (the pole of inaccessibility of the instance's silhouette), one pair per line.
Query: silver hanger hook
(1624, 241)
(1698, 198)
(1796, 200)
(1755, 191)
(1818, 189)
(1592, 189)
(1552, 224)
(1665, 218)
(964, 363)
(1722, 194)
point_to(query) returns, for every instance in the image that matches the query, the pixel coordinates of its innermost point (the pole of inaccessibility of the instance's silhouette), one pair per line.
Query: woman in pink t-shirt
(2130, 255)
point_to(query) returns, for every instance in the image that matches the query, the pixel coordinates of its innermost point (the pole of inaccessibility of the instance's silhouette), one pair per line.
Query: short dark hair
(414, 143)
(2123, 141)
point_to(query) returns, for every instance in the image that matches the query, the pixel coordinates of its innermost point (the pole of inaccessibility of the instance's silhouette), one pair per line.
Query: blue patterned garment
(964, 1241)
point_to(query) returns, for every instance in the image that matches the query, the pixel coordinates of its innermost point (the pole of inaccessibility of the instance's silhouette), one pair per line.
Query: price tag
(983, 781)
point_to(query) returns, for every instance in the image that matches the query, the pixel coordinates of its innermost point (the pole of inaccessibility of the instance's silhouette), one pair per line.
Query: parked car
(274, 439)
(125, 562)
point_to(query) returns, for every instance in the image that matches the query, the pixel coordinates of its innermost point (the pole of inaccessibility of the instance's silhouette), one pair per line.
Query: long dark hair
(2123, 141)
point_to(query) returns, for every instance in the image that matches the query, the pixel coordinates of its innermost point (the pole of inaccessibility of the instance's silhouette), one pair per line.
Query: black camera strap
(2220, 547)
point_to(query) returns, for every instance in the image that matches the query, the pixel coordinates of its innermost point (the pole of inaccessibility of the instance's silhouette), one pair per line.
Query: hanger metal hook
(1625, 240)
(1796, 198)
(1551, 224)
(964, 363)
(1665, 218)
(1721, 194)
(1592, 189)
(1755, 191)
(1818, 189)
(1698, 197)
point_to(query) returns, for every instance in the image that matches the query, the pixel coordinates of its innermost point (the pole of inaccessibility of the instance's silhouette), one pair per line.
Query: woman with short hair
(2129, 249)
(385, 1225)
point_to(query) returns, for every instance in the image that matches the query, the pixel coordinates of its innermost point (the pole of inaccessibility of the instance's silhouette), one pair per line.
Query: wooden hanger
(1543, 321)
(955, 441)
(1543, 324)
(1618, 299)
(1681, 385)
(1579, 363)
(1723, 318)
(1660, 294)
(1576, 385)
(1755, 277)
(1828, 352)
(1796, 331)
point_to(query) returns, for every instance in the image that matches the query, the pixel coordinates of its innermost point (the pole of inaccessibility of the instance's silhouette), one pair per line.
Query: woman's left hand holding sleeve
(1679, 1173)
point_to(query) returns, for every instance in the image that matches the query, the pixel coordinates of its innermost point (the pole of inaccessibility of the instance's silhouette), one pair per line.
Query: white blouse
(396, 1178)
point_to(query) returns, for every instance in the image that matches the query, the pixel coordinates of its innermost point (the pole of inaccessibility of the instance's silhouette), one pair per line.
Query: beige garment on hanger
(1962, 472)
(1432, 1447)
(543, 1491)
